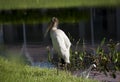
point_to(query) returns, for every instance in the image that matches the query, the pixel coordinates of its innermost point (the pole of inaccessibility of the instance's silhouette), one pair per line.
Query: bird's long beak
(46, 32)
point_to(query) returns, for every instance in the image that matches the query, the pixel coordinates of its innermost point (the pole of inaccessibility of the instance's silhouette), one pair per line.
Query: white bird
(60, 41)
(86, 73)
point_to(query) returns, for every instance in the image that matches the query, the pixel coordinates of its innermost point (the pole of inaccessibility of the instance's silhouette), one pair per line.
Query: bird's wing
(65, 39)
(57, 40)
(61, 43)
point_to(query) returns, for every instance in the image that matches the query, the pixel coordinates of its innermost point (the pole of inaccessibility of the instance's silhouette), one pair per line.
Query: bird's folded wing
(63, 40)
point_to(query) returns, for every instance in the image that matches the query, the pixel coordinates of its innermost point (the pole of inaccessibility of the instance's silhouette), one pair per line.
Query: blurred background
(82, 23)
(23, 23)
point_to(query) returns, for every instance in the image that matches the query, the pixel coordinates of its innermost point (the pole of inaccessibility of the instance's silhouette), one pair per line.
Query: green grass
(15, 72)
(27, 4)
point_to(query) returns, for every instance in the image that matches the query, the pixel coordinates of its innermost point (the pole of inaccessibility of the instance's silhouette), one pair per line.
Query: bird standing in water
(60, 41)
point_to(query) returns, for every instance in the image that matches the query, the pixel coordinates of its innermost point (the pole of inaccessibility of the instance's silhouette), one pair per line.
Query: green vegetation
(28, 4)
(106, 56)
(108, 61)
(38, 16)
(16, 72)
(28, 11)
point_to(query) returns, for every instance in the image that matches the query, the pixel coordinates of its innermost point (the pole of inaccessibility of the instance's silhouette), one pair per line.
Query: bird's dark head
(53, 24)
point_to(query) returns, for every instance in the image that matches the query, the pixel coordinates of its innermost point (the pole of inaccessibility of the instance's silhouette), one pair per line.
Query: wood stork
(60, 41)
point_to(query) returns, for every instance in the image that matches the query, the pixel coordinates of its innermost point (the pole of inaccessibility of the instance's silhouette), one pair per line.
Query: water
(30, 59)
(44, 64)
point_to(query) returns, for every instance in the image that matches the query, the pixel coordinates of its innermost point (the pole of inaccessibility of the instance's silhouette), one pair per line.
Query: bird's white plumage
(61, 43)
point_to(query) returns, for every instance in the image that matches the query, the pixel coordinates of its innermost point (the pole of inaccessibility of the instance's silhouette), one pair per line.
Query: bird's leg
(57, 68)
(65, 66)
(58, 65)
(62, 63)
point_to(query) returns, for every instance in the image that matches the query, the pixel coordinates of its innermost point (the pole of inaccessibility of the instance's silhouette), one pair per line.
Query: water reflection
(44, 64)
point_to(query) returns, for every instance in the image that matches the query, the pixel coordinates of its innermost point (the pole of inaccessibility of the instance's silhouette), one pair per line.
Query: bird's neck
(54, 28)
